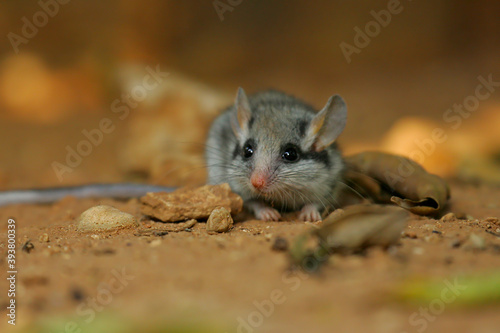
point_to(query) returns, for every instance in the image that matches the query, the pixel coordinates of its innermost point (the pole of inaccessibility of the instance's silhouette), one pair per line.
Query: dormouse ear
(327, 125)
(243, 114)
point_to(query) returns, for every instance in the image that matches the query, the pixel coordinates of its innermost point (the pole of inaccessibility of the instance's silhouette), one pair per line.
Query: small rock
(492, 219)
(186, 225)
(220, 220)
(178, 227)
(155, 243)
(44, 238)
(280, 244)
(477, 242)
(105, 218)
(450, 217)
(186, 203)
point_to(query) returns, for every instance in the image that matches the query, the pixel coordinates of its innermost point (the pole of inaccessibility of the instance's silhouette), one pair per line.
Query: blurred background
(94, 91)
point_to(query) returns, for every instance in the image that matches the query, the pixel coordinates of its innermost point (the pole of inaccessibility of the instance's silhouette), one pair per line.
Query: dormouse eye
(290, 154)
(248, 150)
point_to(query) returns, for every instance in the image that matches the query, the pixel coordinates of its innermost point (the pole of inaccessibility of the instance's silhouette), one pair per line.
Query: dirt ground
(434, 69)
(235, 282)
(439, 279)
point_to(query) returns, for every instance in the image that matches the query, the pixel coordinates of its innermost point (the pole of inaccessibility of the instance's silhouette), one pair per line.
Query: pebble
(220, 220)
(44, 238)
(450, 217)
(188, 203)
(492, 219)
(103, 217)
(280, 244)
(155, 243)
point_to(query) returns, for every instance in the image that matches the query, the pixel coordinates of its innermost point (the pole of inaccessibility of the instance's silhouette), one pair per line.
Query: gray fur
(277, 119)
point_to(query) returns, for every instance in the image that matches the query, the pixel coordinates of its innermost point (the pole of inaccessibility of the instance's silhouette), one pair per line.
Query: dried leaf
(391, 178)
(362, 226)
(359, 227)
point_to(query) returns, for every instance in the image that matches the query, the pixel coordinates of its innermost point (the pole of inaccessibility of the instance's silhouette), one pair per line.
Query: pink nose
(258, 181)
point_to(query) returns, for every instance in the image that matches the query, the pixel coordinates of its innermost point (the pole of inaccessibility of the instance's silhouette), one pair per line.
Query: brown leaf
(359, 227)
(392, 178)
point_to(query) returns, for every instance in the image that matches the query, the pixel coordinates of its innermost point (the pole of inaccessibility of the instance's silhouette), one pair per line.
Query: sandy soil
(190, 281)
(193, 281)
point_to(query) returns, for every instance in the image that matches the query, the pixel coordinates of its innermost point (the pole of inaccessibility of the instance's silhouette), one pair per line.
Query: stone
(450, 217)
(103, 217)
(220, 220)
(187, 203)
(44, 238)
(492, 219)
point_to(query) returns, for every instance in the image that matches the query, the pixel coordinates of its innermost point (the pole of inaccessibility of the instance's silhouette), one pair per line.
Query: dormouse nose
(259, 180)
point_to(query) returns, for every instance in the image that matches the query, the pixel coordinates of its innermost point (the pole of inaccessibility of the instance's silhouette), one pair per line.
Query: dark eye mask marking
(321, 157)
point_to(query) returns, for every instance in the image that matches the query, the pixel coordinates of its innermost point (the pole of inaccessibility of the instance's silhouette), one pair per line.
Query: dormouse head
(282, 144)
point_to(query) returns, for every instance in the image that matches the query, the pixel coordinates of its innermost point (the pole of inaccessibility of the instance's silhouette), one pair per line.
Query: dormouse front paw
(267, 214)
(309, 213)
(262, 211)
